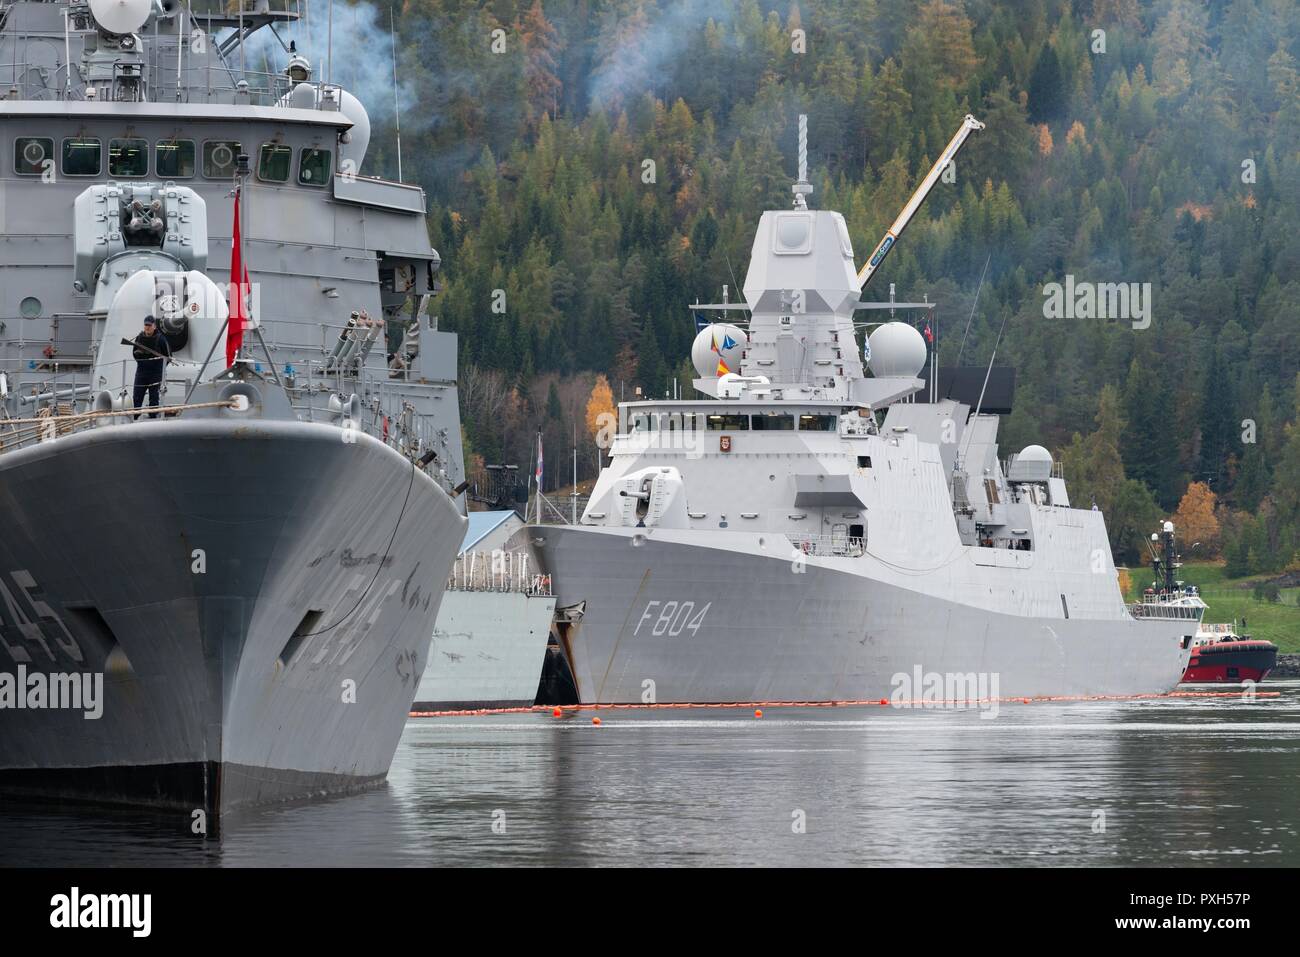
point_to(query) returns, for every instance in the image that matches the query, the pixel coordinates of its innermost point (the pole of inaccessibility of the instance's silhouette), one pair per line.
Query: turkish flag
(238, 295)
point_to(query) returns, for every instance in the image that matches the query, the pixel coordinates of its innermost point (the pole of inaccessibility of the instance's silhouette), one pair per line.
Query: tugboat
(1221, 654)
(1218, 652)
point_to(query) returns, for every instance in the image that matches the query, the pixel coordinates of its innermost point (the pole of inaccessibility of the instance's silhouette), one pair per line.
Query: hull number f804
(671, 618)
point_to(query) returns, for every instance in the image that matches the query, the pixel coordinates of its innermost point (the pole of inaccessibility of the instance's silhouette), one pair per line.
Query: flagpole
(243, 263)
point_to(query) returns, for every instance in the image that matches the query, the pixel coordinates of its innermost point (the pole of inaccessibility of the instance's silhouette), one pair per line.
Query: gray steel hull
(178, 558)
(487, 651)
(823, 634)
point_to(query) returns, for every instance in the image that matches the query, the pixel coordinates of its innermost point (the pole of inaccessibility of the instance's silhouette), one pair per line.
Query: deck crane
(968, 126)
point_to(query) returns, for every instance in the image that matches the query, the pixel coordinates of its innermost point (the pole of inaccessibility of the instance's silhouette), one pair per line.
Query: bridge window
(128, 157)
(82, 156)
(219, 158)
(32, 154)
(314, 167)
(728, 423)
(274, 163)
(174, 159)
(818, 423)
(773, 422)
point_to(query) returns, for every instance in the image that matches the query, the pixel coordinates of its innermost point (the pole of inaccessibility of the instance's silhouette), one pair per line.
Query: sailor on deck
(151, 352)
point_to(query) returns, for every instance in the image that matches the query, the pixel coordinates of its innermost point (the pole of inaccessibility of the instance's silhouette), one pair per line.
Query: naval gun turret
(141, 249)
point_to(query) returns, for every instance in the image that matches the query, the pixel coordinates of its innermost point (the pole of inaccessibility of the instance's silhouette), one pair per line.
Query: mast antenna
(397, 106)
(802, 188)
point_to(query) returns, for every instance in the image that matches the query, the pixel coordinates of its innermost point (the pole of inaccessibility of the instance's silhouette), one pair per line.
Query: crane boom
(968, 126)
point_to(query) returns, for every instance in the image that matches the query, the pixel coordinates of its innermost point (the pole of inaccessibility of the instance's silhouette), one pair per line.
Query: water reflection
(1189, 782)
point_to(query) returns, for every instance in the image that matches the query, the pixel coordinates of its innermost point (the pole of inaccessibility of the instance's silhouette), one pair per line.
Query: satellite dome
(717, 349)
(897, 350)
(1033, 464)
(120, 16)
(310, 96)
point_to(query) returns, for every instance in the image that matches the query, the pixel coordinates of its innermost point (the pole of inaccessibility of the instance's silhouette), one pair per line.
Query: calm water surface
(1191, 782)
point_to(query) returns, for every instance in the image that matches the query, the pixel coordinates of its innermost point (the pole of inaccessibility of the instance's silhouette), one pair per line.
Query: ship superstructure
(254, 575)
(809, 532)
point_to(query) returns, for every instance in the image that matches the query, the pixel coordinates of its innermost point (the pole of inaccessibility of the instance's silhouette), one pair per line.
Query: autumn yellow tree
(601, 416)
(1195, 519)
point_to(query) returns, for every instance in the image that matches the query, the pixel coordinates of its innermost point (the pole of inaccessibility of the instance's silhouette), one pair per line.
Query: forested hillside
(1163, 149)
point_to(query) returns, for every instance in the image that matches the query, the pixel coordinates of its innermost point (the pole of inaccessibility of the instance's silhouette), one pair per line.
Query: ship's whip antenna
(397, 106)
(329, 47)
(980, 403)
(948, 394)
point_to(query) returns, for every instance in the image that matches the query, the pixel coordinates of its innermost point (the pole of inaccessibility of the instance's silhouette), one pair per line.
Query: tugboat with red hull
(1219, 654)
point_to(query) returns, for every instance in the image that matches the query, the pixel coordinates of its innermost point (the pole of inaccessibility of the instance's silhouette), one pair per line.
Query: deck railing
(1182, 607)
(497, 571)
(842, 546)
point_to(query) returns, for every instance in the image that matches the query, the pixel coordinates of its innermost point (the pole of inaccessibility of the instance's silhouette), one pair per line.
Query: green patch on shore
(1233, 599)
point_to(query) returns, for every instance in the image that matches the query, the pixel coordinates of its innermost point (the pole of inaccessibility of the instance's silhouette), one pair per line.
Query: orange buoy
(758, 713)
(595, 721)
(557, 713)
(883, 701)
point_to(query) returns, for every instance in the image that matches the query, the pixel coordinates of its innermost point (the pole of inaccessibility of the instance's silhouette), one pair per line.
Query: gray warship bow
(253, 575)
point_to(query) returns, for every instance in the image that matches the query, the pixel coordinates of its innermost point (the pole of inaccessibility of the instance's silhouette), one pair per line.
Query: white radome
(308, 96)
(120, 16)
(1034, 453)
(897, 350)
(730, 341)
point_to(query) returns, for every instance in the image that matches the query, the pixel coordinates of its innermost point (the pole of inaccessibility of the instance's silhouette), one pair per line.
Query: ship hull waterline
(488, 650)
(737, 626)
(258, 597)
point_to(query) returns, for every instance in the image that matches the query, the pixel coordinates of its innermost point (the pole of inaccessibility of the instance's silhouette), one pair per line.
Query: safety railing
(1179, 607)
(497, 571)
(843, 546)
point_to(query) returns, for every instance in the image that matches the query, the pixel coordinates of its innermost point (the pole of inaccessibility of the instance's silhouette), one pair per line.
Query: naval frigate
(250, 579)
(809, 532)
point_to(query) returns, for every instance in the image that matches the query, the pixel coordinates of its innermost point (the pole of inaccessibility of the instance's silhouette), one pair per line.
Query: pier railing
(497, 571)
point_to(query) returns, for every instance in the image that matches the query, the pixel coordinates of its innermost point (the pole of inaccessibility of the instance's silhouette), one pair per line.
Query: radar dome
(717, 349)
(353, 144)
(1033, 464)
(897, 350)
(120, 16)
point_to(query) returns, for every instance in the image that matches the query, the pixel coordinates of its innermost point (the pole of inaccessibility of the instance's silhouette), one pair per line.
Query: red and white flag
(238, 301)
(539, 462)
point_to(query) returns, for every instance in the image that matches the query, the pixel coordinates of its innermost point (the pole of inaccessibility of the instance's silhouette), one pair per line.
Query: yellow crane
(968, 126)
